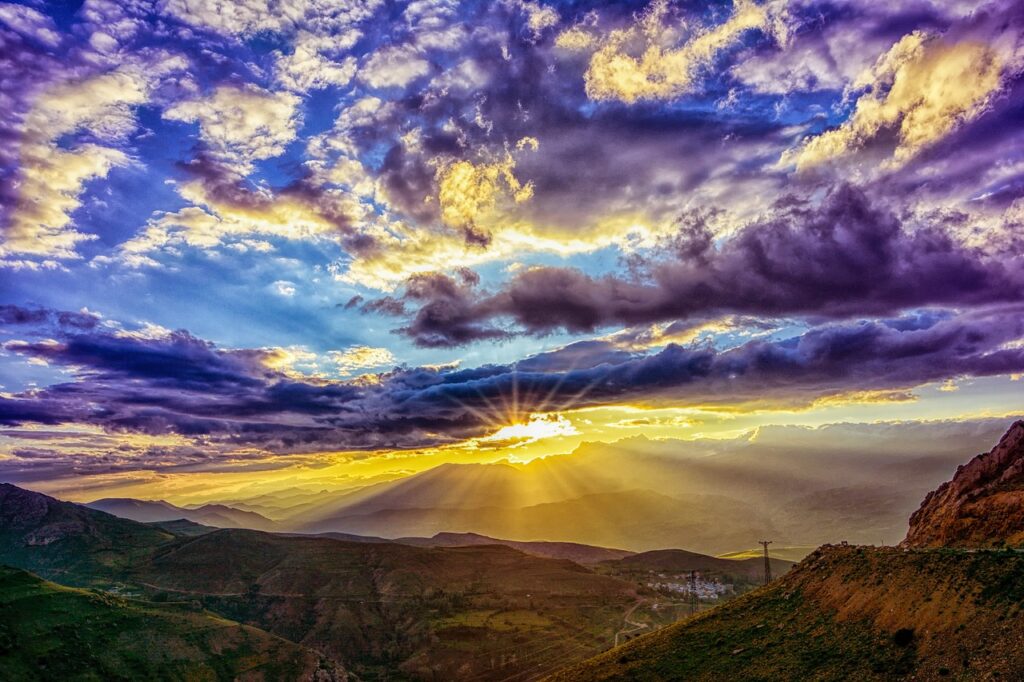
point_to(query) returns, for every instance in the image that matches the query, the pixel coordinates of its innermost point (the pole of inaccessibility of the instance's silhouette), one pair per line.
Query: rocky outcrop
(982, 506)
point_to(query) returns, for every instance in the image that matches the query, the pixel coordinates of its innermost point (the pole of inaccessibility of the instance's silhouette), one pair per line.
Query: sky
(328, 242)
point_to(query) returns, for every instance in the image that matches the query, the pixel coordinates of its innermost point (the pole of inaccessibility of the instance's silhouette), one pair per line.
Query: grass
(50, 632)
(847, 613)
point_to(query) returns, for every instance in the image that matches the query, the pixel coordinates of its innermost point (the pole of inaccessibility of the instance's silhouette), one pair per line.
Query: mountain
(982, 506)
(453, 486)
(389, 606)
(681, 561)
(803, 486)
(183, 528)
(384, 610)
(846, 613)
(635, 520)
(573, 551)
(943, 605)
(149, 511)
(50, 632)
(67, 542)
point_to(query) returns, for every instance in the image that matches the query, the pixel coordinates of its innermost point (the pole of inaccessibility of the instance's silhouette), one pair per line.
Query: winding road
(630, 626)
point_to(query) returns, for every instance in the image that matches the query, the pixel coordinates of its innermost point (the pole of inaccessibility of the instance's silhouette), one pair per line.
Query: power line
(767, 561)
(693, 593)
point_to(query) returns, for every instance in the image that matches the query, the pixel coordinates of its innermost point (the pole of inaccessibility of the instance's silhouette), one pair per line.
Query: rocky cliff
(982, 506)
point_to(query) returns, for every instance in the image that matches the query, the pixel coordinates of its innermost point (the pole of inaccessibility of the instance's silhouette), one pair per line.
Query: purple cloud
(840, 259)
(227, 399)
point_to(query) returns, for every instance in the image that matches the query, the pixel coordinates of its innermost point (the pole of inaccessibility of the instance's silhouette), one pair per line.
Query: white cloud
(242, 125)
(30, 23)
(234, 18)
(311, 66)
(393, 67)
(51, 177)
(284, 288)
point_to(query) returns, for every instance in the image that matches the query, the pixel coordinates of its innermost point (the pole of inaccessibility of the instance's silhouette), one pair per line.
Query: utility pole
(693, 593)
(767, 561)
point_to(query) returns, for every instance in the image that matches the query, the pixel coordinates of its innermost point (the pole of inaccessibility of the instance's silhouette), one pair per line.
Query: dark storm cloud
(224, 400)
(842, 258)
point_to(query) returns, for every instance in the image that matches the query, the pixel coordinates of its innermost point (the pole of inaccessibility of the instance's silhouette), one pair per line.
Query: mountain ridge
(981, 506)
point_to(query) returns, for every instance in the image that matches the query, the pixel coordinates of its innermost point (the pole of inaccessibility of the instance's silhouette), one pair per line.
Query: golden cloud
(922, 88)
(645, 62)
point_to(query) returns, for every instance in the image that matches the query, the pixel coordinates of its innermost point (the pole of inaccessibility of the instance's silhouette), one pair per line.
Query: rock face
(982, 506)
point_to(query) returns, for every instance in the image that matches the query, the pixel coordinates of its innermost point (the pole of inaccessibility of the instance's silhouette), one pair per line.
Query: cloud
(356, 358)
(393, 67)
(30, 23)
(242, 19)
(467, 191)
(226, 401)
(317, 62)
(284, 288)
(922, 89)
(241, 125)
(841, 258)
(642, 63)
(52, 173)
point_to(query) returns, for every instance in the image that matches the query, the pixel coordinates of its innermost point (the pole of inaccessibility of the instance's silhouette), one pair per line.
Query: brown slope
(846, 613)
(982, 506)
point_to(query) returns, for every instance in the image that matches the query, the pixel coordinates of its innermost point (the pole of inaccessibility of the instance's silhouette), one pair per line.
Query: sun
(537, 427)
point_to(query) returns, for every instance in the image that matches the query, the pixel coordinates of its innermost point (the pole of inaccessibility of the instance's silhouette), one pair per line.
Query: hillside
(49, 632)
(679, 561)
(982, 506)
(69, 543)
(386, 606)
(573, 551)
(918, 611)
(846, 613)
(382, 609)
(152, 511)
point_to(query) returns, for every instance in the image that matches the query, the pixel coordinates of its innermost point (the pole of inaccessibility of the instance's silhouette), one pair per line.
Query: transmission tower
(693, 593)
(767, 561)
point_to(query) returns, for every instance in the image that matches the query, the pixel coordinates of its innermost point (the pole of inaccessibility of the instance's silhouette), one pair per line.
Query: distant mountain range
(149, 511)
(465, 606)
(711, 497)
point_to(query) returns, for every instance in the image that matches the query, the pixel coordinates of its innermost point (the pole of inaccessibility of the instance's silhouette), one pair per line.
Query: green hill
(485, 611)
(69, 543)
(50, 632)
(385, 610)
